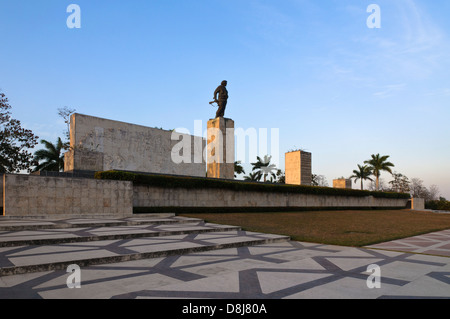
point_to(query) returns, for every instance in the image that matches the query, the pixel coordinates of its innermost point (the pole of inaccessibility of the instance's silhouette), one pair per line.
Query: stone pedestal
(220, 150)
(298, 168)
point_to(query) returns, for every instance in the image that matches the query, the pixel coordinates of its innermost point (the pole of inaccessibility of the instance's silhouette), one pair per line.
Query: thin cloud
(439, 92)
(390, 90)
(409, 46)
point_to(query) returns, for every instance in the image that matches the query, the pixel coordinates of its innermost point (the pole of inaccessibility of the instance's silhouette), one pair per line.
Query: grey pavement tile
(350, 262)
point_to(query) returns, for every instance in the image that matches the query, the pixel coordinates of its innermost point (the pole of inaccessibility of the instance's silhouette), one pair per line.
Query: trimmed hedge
(169, 181)
(255, 209)
(438, 205)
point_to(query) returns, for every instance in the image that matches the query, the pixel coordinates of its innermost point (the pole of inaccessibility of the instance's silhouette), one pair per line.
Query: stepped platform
(28, 246)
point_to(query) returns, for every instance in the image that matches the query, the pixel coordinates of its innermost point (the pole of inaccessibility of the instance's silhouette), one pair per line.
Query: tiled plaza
(276, 269)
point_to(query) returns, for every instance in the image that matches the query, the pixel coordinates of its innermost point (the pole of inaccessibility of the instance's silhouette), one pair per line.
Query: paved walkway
(274, 270)
(437, 243)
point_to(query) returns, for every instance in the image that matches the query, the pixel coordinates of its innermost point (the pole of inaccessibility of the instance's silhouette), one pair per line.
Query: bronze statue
(222, 99)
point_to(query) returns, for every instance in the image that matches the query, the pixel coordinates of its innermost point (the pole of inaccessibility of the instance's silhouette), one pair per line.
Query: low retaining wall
(157, 199)
(53, 197)
(59, 197)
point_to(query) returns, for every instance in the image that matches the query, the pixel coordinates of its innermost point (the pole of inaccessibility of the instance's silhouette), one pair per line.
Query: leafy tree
(362, 173)
(264, 168)
(238, 168)
(378, 164)
(319, 180)
(50, 159)
(417, 189)
(65, 114)
(382, 187)
(434, 192)
(15, 141)
(281, 177)
(400, 183)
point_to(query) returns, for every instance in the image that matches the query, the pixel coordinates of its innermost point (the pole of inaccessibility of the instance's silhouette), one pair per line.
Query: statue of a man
(222, 99)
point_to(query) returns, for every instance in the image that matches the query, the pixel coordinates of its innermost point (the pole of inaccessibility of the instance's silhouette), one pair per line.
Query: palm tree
(263, 167)
(377, 164)
(281, 177)
(255, 177)
(362, 173)
(50, 159)
(238, 169)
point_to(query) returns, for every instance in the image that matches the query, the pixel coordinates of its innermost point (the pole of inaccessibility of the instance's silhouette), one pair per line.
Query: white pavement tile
(275, 281)
(226, 266)
(408, 271)
(225, 283)
(424, 286)
(345, 288)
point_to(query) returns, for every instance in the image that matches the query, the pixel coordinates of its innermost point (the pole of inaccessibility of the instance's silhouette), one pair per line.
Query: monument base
(221, 154)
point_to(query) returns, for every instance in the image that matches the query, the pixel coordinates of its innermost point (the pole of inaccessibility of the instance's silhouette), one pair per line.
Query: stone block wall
(53, 197)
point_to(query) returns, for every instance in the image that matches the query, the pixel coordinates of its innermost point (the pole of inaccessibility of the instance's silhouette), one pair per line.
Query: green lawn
(347, 228)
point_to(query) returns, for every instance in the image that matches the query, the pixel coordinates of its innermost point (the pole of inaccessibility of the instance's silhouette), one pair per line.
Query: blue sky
(311, 68)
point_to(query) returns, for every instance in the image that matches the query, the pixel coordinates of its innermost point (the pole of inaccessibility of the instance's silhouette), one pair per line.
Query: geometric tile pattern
(437, 243)
(291, 270)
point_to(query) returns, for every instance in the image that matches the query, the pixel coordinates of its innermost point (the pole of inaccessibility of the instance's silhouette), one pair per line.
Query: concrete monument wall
(99, 144)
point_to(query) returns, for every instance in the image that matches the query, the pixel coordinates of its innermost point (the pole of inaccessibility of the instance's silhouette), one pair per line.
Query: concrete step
(26, 259)
(77, 235)
(48, 249)
(33, 224)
